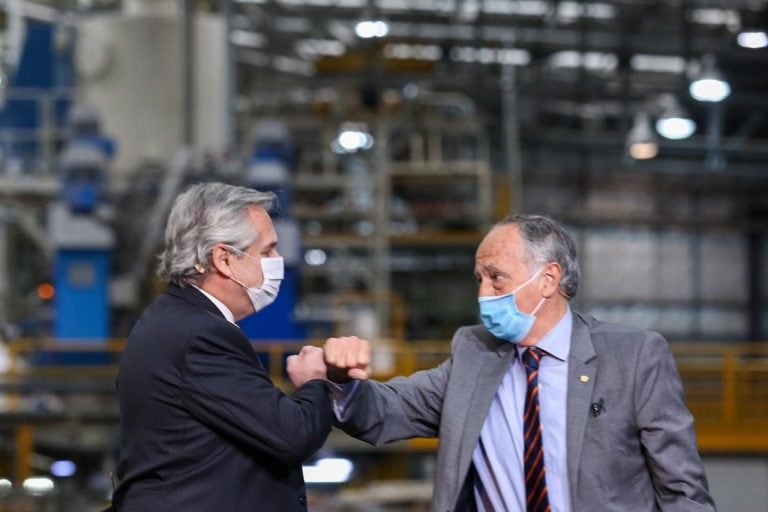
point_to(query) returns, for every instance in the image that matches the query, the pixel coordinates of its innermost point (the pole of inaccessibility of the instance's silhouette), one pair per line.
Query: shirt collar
(557, 342)
(216, 302)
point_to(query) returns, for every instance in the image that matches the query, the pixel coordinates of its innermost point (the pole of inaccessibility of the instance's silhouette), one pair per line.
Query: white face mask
(273, 270)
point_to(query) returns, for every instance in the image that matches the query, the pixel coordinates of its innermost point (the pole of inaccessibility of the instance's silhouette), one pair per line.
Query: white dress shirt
(224, 309)
(498, 457)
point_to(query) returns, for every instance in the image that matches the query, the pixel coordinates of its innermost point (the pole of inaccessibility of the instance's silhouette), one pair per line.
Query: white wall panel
(723, 268)
(130, 68)
(723, 323)
(673, 276)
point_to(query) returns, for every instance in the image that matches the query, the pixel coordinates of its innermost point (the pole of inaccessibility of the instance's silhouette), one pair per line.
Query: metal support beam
(188, 69)
(230, 120)
(756, 278)
(511, 130)
(382, 279)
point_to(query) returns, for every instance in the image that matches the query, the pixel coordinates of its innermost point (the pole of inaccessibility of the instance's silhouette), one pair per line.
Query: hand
(348, 357)
(306, 365)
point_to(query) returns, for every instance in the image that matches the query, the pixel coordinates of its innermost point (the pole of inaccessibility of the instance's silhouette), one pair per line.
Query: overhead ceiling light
(593, 61)
(311, 48)
(315, 257)
(752, 39)
(752, 33)
(247, 38)
(486, 55)
(38, 486)
(292, 65)
(657, 63)
(572, 11)
(352, 137)
(710, 89)
(674, 122)
(370, 28)
(675, 128)
(641, 142)
(63, 468)
(710, 84)
(431, 52)
(714, 17)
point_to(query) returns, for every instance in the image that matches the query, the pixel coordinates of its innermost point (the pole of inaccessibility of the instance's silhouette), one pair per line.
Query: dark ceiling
(557, 99)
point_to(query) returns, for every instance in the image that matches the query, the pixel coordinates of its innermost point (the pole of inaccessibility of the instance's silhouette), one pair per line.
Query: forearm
(402, 408)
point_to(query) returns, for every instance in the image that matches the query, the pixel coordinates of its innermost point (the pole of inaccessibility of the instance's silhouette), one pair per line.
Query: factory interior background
(394, 132)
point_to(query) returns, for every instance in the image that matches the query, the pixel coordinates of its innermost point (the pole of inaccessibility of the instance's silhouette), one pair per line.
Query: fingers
(349, 353)
(310, 350)
(307, 365)
(347, 357)
(359, 373)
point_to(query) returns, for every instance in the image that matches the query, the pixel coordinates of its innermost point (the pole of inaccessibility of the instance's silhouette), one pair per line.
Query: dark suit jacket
(203, 427)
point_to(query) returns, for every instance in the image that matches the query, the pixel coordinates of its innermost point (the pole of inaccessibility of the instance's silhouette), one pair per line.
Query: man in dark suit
(203, 427)
(540, 408)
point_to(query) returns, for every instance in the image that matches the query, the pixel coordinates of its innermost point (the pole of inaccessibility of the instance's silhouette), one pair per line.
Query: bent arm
(666, 432)
(401, 408)
(226, 388)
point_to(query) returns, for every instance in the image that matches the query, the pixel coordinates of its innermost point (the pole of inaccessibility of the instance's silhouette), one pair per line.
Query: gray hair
(204, 215)
(546, 240)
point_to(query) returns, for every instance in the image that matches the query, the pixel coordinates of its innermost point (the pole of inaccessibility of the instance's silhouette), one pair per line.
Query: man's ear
(552, 273)
(220, 260)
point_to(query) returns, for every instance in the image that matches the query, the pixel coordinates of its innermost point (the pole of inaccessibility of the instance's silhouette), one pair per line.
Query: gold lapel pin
(584, 378)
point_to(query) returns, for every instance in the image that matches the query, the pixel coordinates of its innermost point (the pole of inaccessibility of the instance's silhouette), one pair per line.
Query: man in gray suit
(540, 408)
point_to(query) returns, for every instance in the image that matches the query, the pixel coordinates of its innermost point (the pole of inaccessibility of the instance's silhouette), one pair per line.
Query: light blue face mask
(502, 318)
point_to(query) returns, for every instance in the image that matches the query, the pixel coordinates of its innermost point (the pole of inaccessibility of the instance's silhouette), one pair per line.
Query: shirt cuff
(341, 395)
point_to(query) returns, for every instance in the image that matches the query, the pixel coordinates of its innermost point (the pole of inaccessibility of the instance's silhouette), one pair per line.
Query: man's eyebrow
(486, 267)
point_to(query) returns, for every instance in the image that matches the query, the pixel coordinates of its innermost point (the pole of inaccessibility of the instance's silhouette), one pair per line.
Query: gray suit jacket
(638, 454)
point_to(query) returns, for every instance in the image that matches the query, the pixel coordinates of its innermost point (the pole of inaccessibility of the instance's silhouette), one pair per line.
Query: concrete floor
(738, 484)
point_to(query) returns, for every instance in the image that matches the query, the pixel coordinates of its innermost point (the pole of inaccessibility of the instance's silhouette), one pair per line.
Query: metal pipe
(381, 247)
(755, 279)
(230, 119)
(511, 132)
(188, 73)
(715, 157)
(5, 271)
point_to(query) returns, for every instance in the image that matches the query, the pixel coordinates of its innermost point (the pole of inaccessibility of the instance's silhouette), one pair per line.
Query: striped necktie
(535, 480)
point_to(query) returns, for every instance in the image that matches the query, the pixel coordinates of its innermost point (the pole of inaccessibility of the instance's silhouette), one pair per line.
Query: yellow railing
(726, 384)
(726, 388)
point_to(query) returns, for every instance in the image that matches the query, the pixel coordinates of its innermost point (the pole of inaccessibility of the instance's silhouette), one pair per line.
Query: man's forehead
(502, 249)
(263, 227)
(502, 238)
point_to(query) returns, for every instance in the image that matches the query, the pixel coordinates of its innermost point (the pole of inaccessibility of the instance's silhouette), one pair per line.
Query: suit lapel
(491, 367)
(582, 367)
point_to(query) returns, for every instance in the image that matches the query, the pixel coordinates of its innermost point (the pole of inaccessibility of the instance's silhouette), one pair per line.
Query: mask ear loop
(529, 281)
(536, 309)
(541, 302)
(235, 279)
(233, 276)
